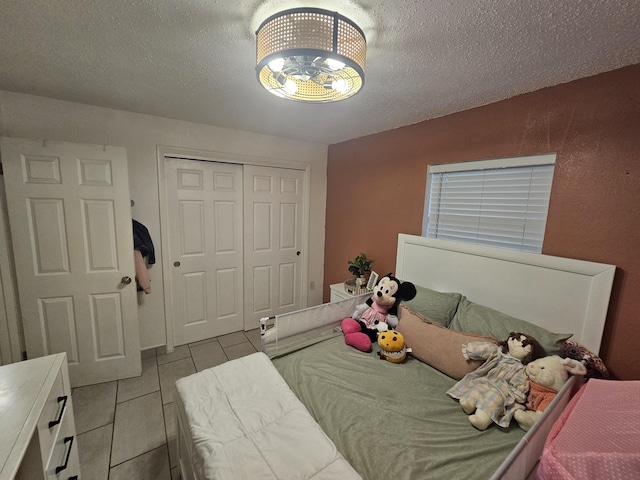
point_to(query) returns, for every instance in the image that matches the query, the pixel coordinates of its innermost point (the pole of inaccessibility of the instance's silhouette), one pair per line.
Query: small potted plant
(360, 267)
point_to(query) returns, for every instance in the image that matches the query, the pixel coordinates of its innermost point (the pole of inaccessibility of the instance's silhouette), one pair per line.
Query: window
(500, 203)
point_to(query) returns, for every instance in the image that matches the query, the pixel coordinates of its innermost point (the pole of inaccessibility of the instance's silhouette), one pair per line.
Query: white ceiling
(195, 59)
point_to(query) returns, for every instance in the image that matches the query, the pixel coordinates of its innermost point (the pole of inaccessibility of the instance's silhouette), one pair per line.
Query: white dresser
(37, 431)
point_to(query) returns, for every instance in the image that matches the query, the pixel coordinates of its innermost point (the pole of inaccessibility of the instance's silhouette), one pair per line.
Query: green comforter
(392, 421)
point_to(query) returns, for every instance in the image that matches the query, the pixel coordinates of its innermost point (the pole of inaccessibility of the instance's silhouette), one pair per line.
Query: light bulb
(340, 85)
(276, 65)
(290, 87)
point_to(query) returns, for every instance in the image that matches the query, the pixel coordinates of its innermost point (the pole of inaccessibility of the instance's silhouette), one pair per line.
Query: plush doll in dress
(377, 314)
(498, 387)
(546, 375)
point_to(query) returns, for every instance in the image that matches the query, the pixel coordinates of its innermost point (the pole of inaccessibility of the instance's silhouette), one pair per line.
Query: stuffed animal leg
(480, 419)
(477, 417)
(526, 418)
(355, 336)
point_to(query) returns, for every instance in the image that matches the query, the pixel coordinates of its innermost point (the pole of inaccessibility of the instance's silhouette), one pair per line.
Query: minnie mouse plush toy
(377, 313)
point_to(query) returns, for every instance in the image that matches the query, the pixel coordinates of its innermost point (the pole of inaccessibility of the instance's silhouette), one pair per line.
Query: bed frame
(560, 294)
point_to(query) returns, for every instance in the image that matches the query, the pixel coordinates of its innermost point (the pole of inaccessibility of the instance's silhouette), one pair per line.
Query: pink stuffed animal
(377, 313)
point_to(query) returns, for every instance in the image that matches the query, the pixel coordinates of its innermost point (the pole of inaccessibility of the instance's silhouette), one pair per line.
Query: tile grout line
(142, 394)
(113, 430)
(141, 454)
(95, 428)
(114, 422)
(152, 449)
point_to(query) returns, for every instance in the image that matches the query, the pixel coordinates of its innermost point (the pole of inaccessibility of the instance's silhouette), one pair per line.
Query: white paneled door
(70, 220)
(204, 207)
(273, 199)
(234, 236)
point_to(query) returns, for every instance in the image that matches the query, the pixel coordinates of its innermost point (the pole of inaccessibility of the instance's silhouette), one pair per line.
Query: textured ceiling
(195, 59)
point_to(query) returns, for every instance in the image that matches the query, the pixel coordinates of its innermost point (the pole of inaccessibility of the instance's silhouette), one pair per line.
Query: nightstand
(338, 293)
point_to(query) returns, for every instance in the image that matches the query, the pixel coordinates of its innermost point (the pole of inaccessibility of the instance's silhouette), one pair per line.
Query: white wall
(34, 117)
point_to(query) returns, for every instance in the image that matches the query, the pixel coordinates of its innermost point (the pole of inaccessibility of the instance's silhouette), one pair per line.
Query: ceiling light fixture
(310, 55)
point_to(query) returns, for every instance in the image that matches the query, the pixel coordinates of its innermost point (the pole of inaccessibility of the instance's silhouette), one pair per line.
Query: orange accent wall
(376, 185)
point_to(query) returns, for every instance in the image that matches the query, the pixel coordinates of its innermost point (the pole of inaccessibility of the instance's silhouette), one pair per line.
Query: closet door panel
(204, 204)
(273, 241)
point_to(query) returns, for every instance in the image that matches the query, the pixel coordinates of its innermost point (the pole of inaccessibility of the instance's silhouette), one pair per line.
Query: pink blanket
(597, 436)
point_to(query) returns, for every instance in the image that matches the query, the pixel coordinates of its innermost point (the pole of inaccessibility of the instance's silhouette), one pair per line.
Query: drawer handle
(53, 423)
(68, 440)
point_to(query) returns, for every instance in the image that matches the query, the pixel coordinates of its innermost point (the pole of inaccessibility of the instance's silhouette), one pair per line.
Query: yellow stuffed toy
(392, 347)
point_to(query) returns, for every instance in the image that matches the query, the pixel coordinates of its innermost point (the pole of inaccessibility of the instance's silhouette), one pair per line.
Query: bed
(377, 419)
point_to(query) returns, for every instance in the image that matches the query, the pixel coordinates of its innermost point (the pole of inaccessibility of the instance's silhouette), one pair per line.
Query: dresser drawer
(37, 420)
(64, 456)
(53, 413)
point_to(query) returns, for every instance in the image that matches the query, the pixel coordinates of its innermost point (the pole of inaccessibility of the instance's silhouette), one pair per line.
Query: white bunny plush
(546, 375)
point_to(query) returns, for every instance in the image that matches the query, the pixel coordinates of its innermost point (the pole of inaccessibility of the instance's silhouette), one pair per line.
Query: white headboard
(560, 294)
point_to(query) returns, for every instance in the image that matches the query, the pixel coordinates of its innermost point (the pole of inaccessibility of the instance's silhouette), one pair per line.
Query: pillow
(594, 364)
(438, 346)
(436, 306)
(474, 318)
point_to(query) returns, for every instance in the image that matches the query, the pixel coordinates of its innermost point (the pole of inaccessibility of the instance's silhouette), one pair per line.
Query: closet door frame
(212, 156)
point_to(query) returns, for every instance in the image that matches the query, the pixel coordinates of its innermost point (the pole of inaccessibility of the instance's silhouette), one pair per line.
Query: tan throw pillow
(438, 346)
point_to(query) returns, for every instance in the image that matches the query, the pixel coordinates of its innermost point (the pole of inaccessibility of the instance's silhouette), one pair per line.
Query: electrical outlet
(312, 286)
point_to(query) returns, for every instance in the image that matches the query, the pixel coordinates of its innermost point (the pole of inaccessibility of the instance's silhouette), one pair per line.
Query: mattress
(392, 420)
(245, 423)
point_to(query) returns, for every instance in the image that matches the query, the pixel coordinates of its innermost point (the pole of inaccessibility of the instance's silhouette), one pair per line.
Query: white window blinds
(500, 203)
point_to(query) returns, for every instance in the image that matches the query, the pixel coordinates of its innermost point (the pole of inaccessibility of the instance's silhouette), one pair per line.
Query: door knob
(125, 280)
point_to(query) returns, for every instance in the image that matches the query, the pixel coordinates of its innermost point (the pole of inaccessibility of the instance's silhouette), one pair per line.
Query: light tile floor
(126, 429)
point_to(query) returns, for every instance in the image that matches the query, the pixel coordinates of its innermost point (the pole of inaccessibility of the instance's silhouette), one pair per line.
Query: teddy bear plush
(377, 313)
(494, 391)
(546, 375)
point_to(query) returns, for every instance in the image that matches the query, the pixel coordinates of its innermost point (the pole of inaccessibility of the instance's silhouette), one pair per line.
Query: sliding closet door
(235, 245)
(273, 201)
(204, 206)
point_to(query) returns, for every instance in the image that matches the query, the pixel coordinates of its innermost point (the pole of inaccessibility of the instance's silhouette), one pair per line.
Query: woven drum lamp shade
(310, 55)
